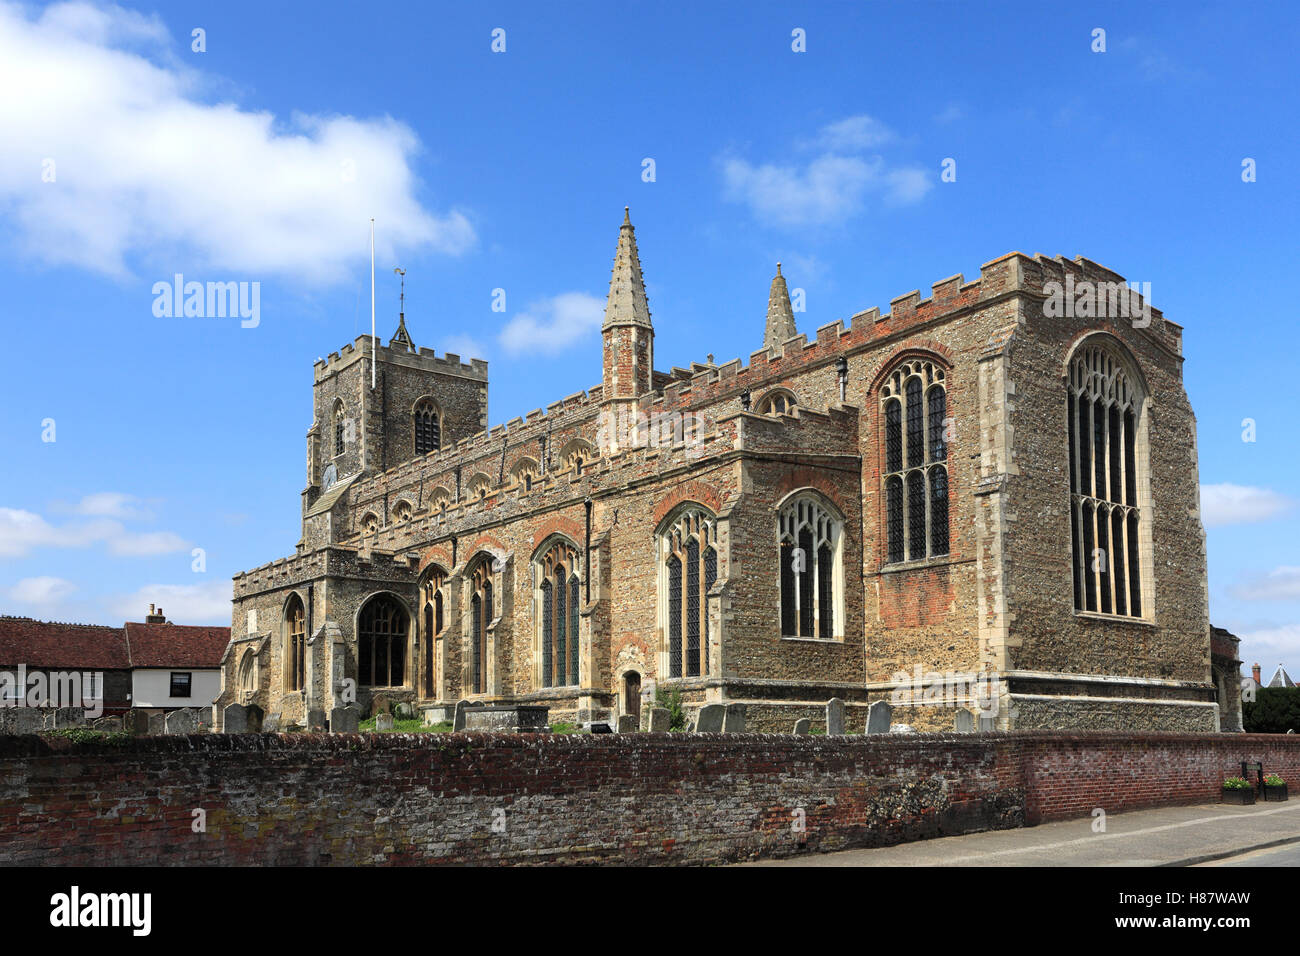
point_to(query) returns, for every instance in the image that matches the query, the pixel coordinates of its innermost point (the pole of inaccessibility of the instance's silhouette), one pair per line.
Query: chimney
(1254, 673)
(155, 616)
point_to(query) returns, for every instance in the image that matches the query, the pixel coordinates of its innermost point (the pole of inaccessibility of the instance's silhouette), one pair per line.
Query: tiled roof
(58, 645)
(176, 645)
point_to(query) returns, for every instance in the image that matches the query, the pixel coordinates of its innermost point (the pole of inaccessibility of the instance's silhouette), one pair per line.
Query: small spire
(780, 316)
(401, 336)
(627, 303)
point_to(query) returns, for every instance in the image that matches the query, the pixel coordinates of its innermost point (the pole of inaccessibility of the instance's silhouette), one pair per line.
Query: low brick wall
(303, 799)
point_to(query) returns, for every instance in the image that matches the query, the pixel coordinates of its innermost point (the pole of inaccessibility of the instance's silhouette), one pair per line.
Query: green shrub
(1273, 780)
(671, 702)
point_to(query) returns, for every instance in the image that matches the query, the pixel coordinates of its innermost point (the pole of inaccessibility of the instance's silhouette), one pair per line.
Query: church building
(975, 484)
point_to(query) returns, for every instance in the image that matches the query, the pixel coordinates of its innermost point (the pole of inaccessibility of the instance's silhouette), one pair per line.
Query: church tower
(629, 336)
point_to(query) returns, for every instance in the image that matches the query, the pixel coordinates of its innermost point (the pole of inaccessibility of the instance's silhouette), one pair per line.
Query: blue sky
(130, 157)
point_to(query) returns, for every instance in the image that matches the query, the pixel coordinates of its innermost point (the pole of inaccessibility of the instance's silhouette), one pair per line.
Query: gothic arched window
(688, 562)
(295, 658)
(339, 427)
(811, 581)
(369, 523)
(558, 597)
(779, 402)
(480, 619)
(1104, 408)
(578, 455)
(914, 406)
(248, 675)
(402, 511)
(433, 603)
(525, 475)
(428, 427)
(381, 643)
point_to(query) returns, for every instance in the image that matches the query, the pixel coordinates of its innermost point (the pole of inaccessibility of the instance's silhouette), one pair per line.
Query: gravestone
(710, 719)
(964, 721)
(384, 722)
(987, 725)
(627, 724)
(345, 720)
(879, 715)
(834, 717)
(733, 720)
(139, 723)
(458, 721)
(157, 725)
(316, 719)
(240, 719)
(901, 729)
(108, 724)
(234, 719)
(659, 720)
(803, 726)
(599, 727)
(182, 721)
(272, 724)
(403, 711)
(23, 720)
(506, 718)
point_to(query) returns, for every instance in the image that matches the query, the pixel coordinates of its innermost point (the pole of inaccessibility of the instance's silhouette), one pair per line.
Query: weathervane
(401, 310)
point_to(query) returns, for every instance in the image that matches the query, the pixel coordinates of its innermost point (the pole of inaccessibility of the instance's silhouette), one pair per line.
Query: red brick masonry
(648, 798)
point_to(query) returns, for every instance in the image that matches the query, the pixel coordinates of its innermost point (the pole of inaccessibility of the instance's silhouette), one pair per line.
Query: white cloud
(205, 603)
(466, 346)
(830, 187)
(855, 133)
(110, 504)
(1226, 504)
(145, 170)
(147, 544)
(41, 590)
(22, 532)
(1280, 584)
(1267, 646)
(551, 326)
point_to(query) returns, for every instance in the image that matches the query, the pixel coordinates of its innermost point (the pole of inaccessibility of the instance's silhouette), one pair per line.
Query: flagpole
(374, 347)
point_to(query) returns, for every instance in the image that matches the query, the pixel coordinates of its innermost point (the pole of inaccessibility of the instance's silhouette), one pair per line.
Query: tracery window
(402, 511)
(434, 603)
(370, 523)
(558, 596)
(809, 537)
(914, 407)
(339, 427)
(525, 475)
(439, 501)
(578, 456)
(428, 426)
(296, 645)
(480, 618)
(248, 675)
(688, 558)
(777, 403)
(381, 643)
(1103, 405)
(479, 486)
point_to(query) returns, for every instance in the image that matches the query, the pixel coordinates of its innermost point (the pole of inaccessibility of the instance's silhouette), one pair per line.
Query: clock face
(327, 480)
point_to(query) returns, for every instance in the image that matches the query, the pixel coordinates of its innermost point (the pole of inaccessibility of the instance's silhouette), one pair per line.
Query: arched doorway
(632, 695)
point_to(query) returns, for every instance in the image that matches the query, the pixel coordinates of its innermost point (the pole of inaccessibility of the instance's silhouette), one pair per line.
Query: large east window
(1104, 407)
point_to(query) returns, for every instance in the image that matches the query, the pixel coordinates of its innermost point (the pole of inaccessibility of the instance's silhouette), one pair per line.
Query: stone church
(978, 482)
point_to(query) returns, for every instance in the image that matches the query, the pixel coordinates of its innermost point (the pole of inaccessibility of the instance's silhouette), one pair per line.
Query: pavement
(1266, 834)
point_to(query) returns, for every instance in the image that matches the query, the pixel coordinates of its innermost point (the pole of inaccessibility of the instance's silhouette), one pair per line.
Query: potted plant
(1274, 789)
(1239, 791)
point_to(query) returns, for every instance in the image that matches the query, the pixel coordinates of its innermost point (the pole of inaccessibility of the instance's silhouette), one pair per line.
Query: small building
(174, 665)
(93, 655)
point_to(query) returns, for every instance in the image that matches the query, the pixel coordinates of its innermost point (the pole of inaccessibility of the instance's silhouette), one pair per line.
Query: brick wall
(651, 798)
